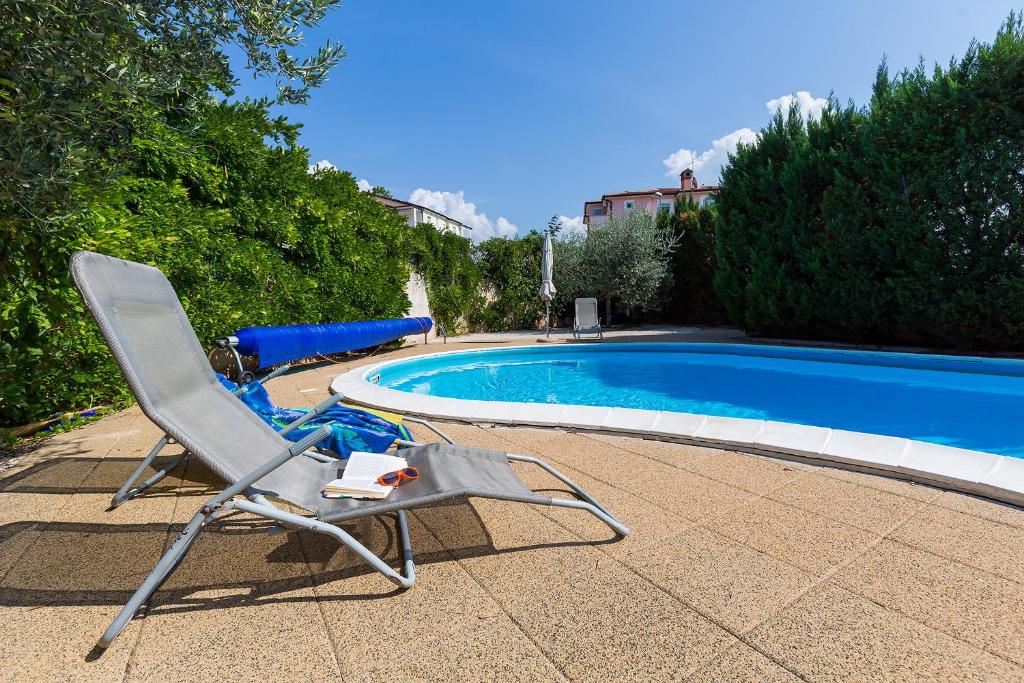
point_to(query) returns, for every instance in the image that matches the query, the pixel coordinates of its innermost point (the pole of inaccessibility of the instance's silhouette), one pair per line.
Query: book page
(369, 466)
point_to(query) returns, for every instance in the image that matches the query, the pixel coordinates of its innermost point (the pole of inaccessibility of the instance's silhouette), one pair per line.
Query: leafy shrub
(690, 296)
(510, 271)
(231, 215)
(446, 262)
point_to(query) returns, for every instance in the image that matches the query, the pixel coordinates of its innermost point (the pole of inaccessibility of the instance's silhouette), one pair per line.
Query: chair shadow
(82, 474)
(79, 564)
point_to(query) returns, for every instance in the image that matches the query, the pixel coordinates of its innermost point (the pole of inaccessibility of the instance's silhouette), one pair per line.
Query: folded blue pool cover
(275, 345)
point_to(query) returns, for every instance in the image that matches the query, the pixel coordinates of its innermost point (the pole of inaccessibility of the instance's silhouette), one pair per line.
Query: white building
(415, 214)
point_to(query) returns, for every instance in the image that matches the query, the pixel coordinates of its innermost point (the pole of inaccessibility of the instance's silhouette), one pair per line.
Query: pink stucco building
(652, 201)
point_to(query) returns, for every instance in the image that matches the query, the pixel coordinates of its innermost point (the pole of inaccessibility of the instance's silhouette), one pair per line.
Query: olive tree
(80, 78)
(625, 259)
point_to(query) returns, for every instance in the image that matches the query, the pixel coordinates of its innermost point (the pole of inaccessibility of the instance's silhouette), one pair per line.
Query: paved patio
(738, 568)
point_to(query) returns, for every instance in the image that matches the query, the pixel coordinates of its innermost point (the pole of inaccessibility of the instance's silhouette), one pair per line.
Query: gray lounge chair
(586, 320)
(156, 348)
(129, 491)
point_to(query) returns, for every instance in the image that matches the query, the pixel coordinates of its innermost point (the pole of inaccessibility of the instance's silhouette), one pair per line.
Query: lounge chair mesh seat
(163, 362)
(586, 320)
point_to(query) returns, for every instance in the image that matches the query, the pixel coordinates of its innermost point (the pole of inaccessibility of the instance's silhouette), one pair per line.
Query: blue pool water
(975, 403)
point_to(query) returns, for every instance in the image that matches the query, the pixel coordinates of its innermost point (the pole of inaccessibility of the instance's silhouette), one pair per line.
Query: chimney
(687, 181)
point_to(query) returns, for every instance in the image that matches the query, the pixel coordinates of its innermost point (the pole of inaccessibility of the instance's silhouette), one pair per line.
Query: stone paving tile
(22, 517)
(677, 455)
(968, 539)
(834, 635)
(799, 538)
(976, 607)
(636, 635)
(594, 618)
(444, 628)
(865, 508)
(735, 585)
(749, 472)
(900, 487)
(741, 664)
(69, 584)
(979, 507)
(254, 599)
(49, 643)
(681, 491)
(649, 524)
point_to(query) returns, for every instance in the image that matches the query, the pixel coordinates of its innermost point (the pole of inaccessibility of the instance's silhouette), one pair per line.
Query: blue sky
(530, 108)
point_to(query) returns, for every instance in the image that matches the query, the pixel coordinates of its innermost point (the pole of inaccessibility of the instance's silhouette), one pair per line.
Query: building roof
(662, 190)
(399, 203)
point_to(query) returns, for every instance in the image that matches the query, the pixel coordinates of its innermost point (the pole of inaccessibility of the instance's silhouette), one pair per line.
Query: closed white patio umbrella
(547, 285)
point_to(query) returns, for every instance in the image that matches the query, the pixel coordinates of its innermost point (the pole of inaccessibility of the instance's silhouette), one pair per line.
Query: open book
(359, 479)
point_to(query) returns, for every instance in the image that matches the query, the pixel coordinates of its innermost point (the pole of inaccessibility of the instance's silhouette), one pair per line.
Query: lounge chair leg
(126, 492)
(430, 426)
(589, 503)
(407, 558)
(300, 522)
(616, 526)
(160, 572)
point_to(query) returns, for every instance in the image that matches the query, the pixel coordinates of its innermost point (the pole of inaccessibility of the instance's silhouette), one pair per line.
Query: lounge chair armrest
(262, 380)
(277, 372)
(297, 448)
(318, 410)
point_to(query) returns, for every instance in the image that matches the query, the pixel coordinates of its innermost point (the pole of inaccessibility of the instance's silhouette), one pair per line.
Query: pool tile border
(994, 476)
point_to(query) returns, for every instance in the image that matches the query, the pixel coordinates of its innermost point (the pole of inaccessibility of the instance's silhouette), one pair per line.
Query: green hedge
(446, 262)
(900, 222)
(510, 273)
(231, 215)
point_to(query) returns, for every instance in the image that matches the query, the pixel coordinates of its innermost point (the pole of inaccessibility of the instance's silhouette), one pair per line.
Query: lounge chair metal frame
(577, 331)
(147, 308)
(127, 491)
(256, 504)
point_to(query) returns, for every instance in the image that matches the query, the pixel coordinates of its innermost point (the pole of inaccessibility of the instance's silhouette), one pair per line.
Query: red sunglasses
(395, 478)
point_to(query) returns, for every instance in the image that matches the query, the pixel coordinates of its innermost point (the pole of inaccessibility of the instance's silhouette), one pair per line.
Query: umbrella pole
(547, 306)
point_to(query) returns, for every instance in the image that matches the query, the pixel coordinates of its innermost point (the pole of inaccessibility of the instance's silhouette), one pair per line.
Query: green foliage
(446, 262)
(900, 222)
(510, 273)
(80, 80)
(246, 235)
(691, 295)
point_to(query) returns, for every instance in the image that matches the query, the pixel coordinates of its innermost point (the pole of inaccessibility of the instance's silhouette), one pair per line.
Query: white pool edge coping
(998, 477)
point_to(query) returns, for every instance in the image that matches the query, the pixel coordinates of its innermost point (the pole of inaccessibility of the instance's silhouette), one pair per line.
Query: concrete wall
(416, 290)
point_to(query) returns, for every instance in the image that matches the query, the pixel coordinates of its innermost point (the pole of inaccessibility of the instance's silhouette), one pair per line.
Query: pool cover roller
(273, 345)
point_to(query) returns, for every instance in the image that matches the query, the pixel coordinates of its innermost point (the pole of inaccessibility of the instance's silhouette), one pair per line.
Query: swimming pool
(971, 403)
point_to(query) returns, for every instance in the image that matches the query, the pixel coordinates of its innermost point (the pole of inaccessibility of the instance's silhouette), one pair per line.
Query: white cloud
(810, 106)
(454, 205)
(572, 225)
(505, 227)
(364, 185)
(321, 165)
(708, 163)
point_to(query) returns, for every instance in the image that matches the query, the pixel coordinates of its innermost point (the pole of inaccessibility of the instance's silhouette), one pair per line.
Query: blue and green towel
(352, 429)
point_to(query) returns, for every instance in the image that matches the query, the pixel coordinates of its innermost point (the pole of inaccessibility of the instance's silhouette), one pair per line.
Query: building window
(629, 205)
(708, 200)
(664, 205)
(597, 211)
